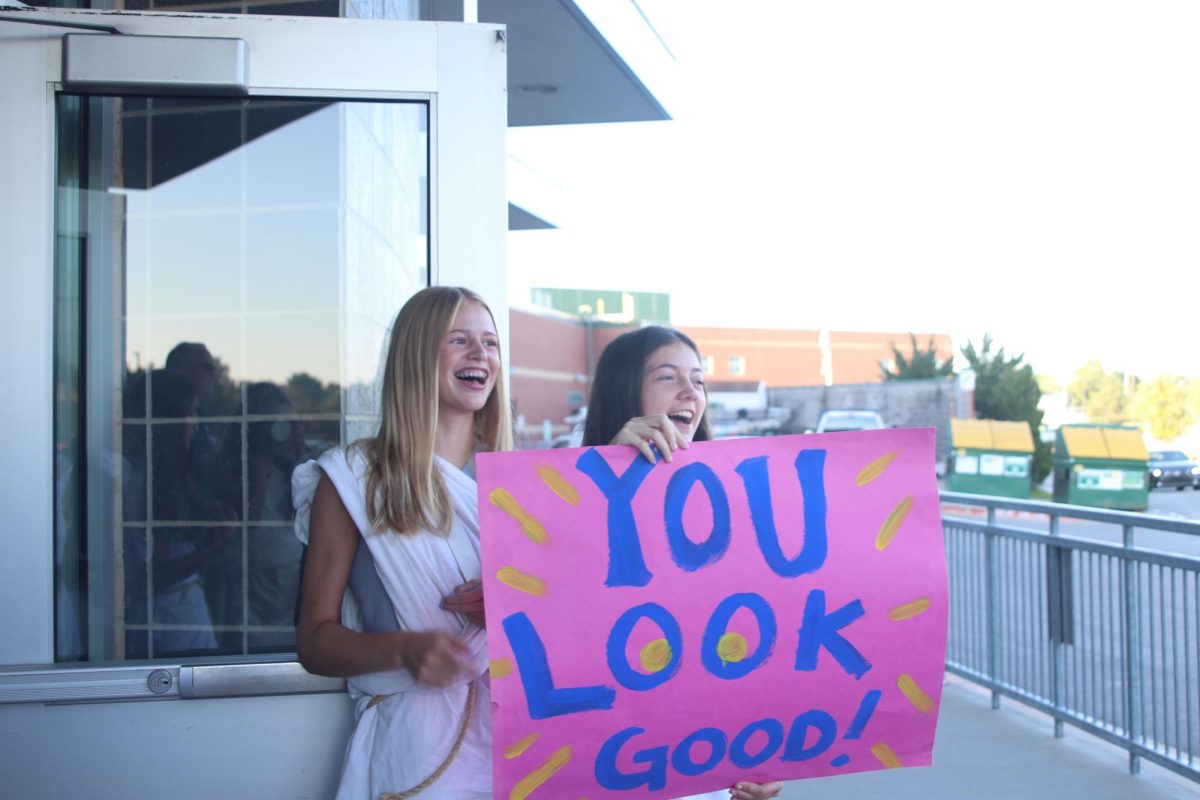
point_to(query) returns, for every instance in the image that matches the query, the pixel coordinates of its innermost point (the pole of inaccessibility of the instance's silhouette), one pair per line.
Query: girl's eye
(491, 343)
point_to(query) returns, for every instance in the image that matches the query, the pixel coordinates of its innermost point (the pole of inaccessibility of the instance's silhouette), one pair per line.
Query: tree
(1087, 379)
(309, 395)
(1162, 405)
(1007, 389)
(1048, 384)
(921, 364)
(1100, 394)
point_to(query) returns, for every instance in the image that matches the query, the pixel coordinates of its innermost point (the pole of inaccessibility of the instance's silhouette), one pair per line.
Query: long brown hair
(405, 492)
(616, 395)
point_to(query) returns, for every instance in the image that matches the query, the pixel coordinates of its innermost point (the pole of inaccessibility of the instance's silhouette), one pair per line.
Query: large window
(226, 271)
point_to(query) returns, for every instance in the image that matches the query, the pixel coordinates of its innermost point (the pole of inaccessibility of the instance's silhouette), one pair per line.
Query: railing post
(993, 609)
(1133, 672)
(1056, 611)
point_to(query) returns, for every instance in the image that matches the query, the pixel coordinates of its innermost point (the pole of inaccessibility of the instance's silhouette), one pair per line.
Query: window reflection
(244, 260)
(273, 449)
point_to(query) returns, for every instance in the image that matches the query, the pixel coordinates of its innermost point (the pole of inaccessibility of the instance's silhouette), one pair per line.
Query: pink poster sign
(769, 608)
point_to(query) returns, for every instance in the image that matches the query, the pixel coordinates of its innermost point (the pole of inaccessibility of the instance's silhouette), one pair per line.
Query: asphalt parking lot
(1168, 503)
(1184, 505)
(1179, 504)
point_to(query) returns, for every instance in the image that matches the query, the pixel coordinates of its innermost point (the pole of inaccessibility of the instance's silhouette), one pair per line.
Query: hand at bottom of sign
(650, 433)
(755, 791)
(467, 600)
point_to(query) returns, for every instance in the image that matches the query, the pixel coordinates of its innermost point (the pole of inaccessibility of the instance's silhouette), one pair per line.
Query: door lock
(159, 681)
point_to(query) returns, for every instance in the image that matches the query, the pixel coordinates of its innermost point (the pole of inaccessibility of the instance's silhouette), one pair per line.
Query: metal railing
(1068, 610)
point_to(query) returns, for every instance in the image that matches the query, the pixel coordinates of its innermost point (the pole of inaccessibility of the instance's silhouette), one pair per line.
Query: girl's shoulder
(344, 464)
(358, 456)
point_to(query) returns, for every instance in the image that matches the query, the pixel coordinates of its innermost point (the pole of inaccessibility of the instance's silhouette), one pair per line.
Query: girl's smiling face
(469, 361)
(673, 385)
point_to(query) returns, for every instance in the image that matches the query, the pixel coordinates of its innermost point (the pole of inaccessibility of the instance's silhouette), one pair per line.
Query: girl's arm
(324, 645)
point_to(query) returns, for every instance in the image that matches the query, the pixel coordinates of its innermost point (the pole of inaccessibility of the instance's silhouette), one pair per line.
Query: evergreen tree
(1006, 389)
(922, 364)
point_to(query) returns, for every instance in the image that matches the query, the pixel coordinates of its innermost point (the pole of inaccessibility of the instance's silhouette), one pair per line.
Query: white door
(206, 227)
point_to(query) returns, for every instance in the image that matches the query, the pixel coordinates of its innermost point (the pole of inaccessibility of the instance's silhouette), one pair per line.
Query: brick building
(552, 355)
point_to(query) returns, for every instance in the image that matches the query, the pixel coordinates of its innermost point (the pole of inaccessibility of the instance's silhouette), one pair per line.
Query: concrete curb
(957, 509)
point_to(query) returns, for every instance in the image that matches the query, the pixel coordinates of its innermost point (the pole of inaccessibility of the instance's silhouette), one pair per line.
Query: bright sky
(1026, 169)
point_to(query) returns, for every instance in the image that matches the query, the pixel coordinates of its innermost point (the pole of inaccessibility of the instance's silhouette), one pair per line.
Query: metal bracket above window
(155, 64)
(52, 23)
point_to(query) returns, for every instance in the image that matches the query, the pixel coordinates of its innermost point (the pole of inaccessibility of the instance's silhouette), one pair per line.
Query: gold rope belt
(458, 740)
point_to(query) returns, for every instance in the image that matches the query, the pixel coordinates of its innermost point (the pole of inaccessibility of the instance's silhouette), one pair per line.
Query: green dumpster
(989, 456)
(1101, 465)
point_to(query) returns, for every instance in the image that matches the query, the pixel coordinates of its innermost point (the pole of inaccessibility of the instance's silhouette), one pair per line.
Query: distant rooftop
(734, 386)
(607, 305)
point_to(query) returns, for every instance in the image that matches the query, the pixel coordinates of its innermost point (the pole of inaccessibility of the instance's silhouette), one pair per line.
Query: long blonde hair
(405, 492)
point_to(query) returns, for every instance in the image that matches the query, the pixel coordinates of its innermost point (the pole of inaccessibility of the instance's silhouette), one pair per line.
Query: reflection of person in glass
(273, 449)
(379, 570)
(181, 621)
(214, 483)
(192, 360)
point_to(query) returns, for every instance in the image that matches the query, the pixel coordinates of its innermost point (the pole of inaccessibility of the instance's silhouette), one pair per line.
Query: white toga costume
(400, 741)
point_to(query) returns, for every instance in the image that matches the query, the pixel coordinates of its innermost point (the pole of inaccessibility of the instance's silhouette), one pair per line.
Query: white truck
(848, 419)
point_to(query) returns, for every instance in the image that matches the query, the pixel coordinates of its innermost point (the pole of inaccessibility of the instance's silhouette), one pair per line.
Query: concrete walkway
(1010, 754)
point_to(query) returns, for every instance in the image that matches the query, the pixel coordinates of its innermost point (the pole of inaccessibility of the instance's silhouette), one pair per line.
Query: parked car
(1173, 468)
(848, 419)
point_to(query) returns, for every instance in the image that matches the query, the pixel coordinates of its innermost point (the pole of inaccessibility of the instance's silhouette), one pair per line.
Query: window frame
(457, 69)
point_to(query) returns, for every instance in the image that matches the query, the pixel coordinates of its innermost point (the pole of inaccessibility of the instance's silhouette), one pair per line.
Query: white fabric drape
(400, 741)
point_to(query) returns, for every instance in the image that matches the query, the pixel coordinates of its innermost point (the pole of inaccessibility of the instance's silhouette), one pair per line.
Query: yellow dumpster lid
(1012, 436)
(970, 433)
(1084, 442)
(991, 434)
(1126, 443)
(1104, 442)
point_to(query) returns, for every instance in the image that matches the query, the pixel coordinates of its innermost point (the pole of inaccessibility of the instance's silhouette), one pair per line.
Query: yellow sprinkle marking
(893, 523)
(921, 701)
(885, 755)
(656, 655)
(522, 582)
(500, 667)
(874, 469)
(509, 505)
(558, 484)
(731, 647)
(909, 610)
(516, 749)
(533, 780)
